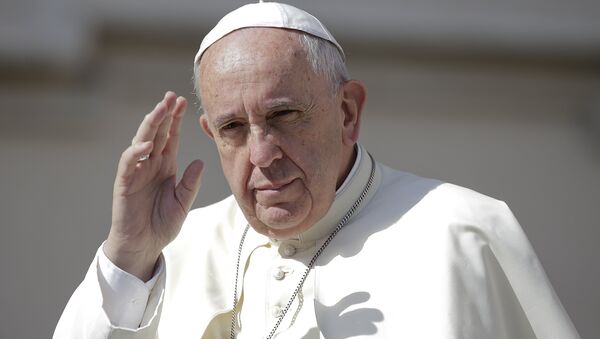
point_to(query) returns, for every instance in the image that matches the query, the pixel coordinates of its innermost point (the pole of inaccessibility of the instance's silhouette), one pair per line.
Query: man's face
(277, 127)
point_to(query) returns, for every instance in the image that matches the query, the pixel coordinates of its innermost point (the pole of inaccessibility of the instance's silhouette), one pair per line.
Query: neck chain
(310, 265)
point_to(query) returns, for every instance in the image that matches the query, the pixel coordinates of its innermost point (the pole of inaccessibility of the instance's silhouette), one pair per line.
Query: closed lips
(273, 194)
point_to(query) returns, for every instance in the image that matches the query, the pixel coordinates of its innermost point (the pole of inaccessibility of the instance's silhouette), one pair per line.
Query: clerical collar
(345, 196)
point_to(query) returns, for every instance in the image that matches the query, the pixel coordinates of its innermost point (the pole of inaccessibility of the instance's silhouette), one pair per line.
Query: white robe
(421, 259)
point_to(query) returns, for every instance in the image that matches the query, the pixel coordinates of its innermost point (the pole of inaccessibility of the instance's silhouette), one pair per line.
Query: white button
(278, 274)
(277, 312)
(288, 250)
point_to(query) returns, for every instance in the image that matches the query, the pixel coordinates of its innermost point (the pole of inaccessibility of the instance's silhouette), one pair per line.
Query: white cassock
(420, 259)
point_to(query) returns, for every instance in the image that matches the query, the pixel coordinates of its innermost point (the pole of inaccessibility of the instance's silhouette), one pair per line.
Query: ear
(354, 95)
(203, 120)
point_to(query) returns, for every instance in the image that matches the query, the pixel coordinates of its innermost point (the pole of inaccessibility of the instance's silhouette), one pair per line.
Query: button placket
(290, 259)
(276, 312)
(278, 274)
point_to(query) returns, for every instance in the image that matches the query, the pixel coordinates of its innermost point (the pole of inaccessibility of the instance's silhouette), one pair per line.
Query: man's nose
(263, 149)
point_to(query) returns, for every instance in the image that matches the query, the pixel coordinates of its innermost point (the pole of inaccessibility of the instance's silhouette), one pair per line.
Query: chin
(286, 233)
(281, 218)
(280, 223)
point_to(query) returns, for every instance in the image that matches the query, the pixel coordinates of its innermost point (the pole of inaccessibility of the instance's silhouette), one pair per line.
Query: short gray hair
(323, 56)
(325, 59)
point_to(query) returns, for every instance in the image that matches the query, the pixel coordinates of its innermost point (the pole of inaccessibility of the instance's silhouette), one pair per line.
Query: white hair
(323, 56)
(325, 59)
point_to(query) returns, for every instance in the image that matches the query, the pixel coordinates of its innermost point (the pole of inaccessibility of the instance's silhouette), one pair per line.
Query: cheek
(235, 168)
(326, 156)
(318, 157)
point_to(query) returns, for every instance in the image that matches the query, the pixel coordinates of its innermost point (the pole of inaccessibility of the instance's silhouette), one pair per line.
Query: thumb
(189, 185)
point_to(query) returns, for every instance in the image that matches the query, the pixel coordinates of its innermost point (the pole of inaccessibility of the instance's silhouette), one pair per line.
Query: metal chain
(237, 271)
(310, 265)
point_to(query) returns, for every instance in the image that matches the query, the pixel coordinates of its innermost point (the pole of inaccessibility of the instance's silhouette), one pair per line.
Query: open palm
(149, 206)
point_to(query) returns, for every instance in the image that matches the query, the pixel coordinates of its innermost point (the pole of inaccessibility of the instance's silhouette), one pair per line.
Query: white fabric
(275, 267)
(423, 259)
(125, 295)
(266, 14)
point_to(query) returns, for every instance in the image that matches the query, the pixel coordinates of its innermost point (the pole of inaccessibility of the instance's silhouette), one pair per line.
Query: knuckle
(126, 154)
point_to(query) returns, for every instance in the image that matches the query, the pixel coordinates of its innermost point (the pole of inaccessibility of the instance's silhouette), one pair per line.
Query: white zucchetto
(267, 14)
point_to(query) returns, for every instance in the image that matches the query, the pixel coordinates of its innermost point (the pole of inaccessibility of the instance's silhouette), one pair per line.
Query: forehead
(267, 61)
(252, 49)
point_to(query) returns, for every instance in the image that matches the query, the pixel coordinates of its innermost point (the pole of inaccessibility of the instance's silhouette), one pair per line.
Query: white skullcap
(267, 14)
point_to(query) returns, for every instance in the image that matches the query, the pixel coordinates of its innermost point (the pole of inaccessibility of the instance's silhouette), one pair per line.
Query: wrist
(140, 263)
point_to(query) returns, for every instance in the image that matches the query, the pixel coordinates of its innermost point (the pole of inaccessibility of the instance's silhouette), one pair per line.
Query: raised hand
(149, 206)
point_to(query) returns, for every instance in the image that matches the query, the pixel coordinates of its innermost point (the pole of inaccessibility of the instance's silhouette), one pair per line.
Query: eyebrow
(271, 105)
(223, 118)
(286, 104)
(280, 102)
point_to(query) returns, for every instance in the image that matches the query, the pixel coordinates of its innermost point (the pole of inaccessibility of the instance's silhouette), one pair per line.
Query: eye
(284, 114)
(231, 125)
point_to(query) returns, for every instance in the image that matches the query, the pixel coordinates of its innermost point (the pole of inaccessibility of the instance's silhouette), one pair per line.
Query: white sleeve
(125, 295)
(113, 304)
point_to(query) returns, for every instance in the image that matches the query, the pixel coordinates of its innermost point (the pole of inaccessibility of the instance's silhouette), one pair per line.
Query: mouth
(276, 193)
(277, 186)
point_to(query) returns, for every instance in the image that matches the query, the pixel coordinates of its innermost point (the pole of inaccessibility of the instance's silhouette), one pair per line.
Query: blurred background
(499, 96)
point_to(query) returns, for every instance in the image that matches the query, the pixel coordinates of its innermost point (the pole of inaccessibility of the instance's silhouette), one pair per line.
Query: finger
(129, 159)
(172, 146)
(148, 127)
(189, 185)
(160, 139)
(152, 121)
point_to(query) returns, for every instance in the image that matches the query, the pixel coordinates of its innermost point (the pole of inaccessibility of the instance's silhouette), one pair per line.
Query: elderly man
(318, 240)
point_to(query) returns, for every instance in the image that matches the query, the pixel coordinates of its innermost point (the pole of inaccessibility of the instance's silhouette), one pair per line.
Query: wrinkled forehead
(252, 68)
(270, 48)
